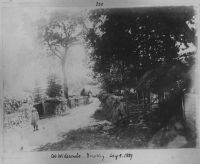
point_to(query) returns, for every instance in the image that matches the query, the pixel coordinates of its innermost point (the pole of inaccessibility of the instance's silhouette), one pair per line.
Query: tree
(144, 49)
(59, 34)
(129, 42)
(54, 88)
(37, 94)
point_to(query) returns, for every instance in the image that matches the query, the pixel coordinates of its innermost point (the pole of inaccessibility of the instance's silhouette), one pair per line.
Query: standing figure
(34, 119)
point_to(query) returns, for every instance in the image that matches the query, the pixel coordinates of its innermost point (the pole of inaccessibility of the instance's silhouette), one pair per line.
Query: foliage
(37, 94)
(59, 33)
(11, 105)
(54, 88)
(129, 42)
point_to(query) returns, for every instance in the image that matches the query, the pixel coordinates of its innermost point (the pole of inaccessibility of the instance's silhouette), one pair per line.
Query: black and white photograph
(99, 78)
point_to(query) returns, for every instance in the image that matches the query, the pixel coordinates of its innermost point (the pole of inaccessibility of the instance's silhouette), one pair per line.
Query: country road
(50, 129)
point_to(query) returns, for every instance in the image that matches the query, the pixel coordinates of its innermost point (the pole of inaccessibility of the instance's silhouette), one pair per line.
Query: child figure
(34, 119)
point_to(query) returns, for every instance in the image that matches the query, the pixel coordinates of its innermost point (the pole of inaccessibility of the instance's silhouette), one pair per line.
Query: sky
(25, 64)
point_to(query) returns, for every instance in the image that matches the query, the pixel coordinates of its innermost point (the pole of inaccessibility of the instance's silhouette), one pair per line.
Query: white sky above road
(24, 63)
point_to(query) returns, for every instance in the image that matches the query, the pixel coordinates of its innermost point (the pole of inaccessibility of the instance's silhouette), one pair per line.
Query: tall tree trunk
(65, 85)
(183, 106)
(148, 100)
(137, 92)
(137, 95)
(143, 95)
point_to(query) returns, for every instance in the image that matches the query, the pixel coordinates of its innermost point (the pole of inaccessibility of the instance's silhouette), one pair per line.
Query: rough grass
(95, 137)
(105, 136)
(101, 136)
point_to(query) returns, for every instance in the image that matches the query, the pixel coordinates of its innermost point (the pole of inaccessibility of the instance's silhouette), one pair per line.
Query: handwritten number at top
(99, 3)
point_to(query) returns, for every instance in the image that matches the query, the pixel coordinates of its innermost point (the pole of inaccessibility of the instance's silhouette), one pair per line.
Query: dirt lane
(50, 129)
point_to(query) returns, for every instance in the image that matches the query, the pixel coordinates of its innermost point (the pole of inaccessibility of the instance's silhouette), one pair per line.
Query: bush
(114, 107)
(11, 105)
(54, 88)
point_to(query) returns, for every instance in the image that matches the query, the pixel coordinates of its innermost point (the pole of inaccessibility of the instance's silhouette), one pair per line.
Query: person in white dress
(34, 119)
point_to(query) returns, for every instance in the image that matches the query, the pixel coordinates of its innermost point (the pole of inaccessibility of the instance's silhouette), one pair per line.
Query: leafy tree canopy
(129, 42)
